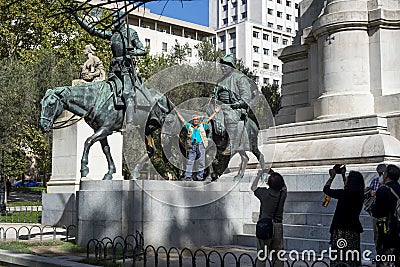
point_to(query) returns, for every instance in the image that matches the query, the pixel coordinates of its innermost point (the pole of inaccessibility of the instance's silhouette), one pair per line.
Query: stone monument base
(168, 213)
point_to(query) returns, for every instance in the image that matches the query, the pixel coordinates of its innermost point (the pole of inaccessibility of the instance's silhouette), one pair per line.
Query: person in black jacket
(272, 201)
(388, 242)
(346, 227)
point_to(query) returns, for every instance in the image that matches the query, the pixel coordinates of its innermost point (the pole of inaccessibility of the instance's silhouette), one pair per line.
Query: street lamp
(2, 181)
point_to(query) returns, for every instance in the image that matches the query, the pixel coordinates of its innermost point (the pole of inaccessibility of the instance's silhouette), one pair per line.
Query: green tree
(22, 85)
(273, 96)
(206, 51)
(27, 27)
(179, 53)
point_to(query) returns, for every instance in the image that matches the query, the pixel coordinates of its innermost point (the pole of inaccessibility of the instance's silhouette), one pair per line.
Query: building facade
(161, 33)
(254, 31)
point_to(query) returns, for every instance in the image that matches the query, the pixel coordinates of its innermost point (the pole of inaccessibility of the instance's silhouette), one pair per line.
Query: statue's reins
(63, 123)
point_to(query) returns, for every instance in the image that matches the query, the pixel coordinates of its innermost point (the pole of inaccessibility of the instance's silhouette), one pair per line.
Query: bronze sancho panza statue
(125, 44)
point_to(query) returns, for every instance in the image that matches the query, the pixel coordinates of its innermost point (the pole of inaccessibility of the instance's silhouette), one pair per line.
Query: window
(288, 17)
(276, 82)
(225, 8)
(256, 64)
(275, 39)
(296, 19)
(164, 47)
(296, 6)
(232, 35)
(278, 1)
(222, 38)
(232, 50)
(244, 15)
(275, 53)
(255, 34)
(256, 79)
(256, 49)
(266, 66)
(234, 4)
(189, 50)
(279, 27)
(270, 24)
(288, 3)
(279, 14)
(147, 42)
(289, 29)
(265, 36)
(285, 42)
(266, 80)
(225, 21)
(270, 11)
(244, 2)
(266, 51)
(234, 18)
(275, 67)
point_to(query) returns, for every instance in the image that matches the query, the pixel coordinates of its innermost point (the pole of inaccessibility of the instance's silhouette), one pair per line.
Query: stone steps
(306, 224)
(307, 231)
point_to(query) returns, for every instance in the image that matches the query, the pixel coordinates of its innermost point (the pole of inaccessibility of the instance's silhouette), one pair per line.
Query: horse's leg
(151, 150)
(111, 166)
(260, 158)
(138, 167)
(100, 134)
(243, 164)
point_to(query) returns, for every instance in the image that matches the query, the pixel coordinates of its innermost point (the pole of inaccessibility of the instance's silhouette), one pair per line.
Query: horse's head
(51, 109)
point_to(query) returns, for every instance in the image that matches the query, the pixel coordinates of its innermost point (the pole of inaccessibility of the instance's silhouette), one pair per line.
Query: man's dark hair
(275, 181)
(393, 172)
(355, 181)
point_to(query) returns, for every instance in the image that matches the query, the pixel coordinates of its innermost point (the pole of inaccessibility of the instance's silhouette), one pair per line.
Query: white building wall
(260, 33)
(161, 33)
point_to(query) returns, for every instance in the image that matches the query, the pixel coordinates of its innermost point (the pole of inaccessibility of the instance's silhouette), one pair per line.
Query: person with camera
(272, 201)
(388, 225)
(346, 227)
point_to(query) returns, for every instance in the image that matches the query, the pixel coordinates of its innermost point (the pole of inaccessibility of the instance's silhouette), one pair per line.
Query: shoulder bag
(265, 226)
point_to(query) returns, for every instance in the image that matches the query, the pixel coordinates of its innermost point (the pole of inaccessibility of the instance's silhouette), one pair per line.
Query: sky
(195, 11)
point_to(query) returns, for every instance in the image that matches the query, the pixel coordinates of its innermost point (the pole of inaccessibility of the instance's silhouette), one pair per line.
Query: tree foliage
(207, 52)
(273, 96)
(27, 27)
(22, 85)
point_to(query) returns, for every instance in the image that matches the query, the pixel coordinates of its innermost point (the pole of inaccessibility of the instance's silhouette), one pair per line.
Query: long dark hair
(355, 181)
(276, 182)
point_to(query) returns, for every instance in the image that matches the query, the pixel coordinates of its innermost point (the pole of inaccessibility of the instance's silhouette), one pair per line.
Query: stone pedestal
(59, 202)
(181, 214)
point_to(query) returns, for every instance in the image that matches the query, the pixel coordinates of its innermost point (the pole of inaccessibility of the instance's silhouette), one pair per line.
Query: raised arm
(254, 185)
(217, 109)
(91, 29)
(180, 116)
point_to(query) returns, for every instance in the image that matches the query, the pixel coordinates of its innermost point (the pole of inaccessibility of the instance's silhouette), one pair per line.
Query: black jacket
(348, 209)
(385, 202)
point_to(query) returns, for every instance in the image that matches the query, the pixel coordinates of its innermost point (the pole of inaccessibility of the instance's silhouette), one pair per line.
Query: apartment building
(160, 33)
(254, 31)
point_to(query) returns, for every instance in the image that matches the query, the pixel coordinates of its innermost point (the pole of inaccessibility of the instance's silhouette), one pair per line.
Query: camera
(338, 168)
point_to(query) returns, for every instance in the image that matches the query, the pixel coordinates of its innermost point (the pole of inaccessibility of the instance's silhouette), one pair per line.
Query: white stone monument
(59, 204)
(340, 91)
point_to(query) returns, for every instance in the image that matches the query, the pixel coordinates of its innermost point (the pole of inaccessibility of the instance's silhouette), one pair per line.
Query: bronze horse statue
(94, 102)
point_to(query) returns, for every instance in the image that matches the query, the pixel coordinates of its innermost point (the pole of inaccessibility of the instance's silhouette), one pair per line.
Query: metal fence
(21, 214)
(38, 233)
(131, 249)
